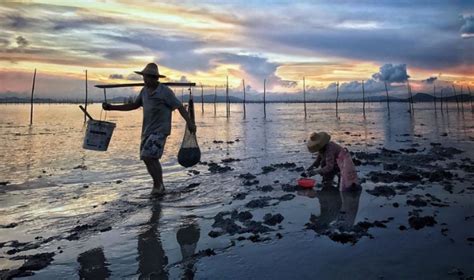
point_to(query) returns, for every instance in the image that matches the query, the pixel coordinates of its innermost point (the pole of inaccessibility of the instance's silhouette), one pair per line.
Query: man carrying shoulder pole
(158, 102)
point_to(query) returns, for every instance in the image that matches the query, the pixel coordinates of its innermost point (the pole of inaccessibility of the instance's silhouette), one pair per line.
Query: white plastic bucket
(98, 135)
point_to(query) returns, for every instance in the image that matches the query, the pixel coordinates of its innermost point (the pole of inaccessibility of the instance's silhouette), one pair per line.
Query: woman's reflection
(151, 256)
(93, 265)
(188, 237)
(338, 209)
(330, 203)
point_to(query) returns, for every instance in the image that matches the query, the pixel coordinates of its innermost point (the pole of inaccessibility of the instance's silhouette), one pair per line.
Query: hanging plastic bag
(189, 154)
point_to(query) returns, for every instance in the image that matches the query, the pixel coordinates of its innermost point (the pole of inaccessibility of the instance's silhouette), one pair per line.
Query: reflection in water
(151, 256)
(93, 265)
(27, 152)
(188, 237)
(338, 209)
(350, 206)
(330, 202)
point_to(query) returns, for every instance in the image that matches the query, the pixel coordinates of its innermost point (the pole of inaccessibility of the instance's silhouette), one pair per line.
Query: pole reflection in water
(151, 256)
(188, 237)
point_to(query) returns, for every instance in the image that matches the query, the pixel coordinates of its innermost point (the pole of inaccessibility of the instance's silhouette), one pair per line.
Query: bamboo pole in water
(434, 97)
(363, 98)
(337, 99)
(202, 99)
(31, 100)
(227, 97)
(264, 99)
(462, 101)
(456, 97)
(304, 97)
(441, 100)
(243, 86)
(446, 103)
(215, 99)
(410, 98)
(388, 100)
(470, 98)
(85, 103)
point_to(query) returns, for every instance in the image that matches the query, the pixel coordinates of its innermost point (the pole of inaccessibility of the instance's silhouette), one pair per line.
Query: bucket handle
(101, 110)
(85, 112)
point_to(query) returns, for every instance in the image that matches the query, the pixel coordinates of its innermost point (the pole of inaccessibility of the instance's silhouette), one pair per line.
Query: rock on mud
(247, 176)
(33, 262)
(382, 191)
(259, 202)
(272, 220)
(417, 222)
(216, 168)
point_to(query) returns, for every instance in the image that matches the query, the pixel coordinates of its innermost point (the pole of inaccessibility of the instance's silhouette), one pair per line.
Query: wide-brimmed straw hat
(150, 69)
(317, 141)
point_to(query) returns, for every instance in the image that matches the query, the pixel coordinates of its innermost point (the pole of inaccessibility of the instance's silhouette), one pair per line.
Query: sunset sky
(205, 41)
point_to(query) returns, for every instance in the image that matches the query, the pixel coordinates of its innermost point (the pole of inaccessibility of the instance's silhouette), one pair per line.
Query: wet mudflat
(239, 214)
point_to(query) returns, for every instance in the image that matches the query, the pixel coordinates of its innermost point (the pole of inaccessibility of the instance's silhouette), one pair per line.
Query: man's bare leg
(154, 168)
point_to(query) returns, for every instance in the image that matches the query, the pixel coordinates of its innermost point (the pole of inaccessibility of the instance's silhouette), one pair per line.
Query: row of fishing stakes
(443, 98)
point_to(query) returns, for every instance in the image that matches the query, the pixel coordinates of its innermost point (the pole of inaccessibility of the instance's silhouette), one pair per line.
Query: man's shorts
(153, 146)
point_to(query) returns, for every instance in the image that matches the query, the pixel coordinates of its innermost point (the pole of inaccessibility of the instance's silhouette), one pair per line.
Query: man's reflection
(151, 256)
(188, 237)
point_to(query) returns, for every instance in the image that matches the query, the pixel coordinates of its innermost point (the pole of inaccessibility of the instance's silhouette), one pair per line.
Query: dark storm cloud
(116, 77)
(21, 42)
(183, 79)
(421, 34)
(81, 22)
(370, 86)
(174, 51)
(383, 45)
(392, 73)
(288, 84)
(258, 67)
(134, 77)
(430, 80)
(16, 22)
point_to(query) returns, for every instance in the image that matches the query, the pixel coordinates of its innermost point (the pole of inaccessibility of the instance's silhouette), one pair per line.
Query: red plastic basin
(306, 182)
